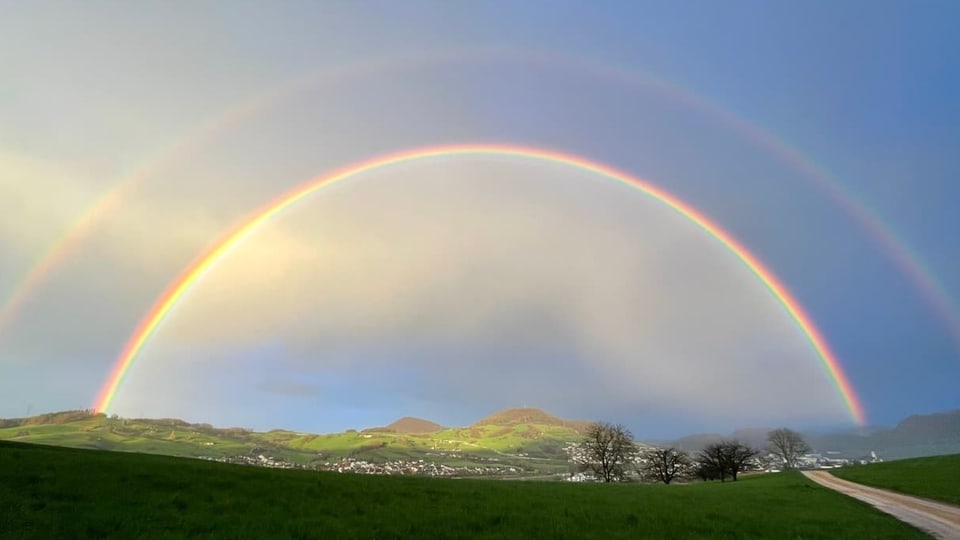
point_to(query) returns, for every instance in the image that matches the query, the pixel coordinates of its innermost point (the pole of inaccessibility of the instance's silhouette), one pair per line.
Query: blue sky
(451, 290)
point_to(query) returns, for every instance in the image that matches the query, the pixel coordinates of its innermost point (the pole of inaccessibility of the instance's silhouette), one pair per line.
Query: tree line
(609, 452)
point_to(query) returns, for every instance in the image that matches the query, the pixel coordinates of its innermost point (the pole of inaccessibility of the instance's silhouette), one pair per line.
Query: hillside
(530, 415)
(521, 441)
(407, 446)
(409, 424)
(50, 492)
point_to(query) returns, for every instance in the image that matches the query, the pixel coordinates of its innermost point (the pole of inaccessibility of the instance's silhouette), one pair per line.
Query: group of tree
(722, 459)
(610, 454)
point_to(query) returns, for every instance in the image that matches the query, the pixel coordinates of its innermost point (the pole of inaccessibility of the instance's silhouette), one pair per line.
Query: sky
(820, 135)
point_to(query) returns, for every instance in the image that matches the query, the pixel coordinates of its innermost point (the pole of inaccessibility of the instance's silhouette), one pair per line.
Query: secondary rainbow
(195, 272)
(912, 265)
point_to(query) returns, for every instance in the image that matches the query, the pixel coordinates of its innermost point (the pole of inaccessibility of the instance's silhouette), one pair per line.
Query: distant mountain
(693, 443)
(938, 426)
(530, 415)
(915, 436)
(408, 424)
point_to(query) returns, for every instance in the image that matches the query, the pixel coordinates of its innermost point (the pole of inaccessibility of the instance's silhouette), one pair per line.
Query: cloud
(485, 281)
(289, 388)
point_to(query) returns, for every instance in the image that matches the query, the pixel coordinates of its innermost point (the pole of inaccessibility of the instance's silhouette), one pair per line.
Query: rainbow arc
(179, 288)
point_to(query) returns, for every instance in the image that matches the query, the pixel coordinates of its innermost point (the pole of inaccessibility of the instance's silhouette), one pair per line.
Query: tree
(711, 463)
(788, 445)
(738, 457)
(725, 458)
(705, 471)
(608, 448)
(665, 464)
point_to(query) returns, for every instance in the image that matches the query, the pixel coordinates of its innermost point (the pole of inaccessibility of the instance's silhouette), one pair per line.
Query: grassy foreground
(50, 492)
(935, 477)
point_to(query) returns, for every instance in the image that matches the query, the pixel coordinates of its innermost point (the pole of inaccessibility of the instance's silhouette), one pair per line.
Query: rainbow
(895, 248)
(908, 261)
(195, 272)
(59, 252)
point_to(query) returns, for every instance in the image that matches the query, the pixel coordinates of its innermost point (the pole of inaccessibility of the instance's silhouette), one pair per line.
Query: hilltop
(530, 415)
(408, 424)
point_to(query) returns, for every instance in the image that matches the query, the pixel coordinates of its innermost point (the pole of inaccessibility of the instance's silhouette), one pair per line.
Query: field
(51, 492)
(935, 477)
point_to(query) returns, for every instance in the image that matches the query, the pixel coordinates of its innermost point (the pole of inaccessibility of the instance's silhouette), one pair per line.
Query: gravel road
(939, 519)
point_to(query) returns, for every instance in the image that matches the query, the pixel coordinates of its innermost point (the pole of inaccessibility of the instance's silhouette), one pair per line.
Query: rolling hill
(408, 424)
(511, 442)
(520, 441)
(532, 416)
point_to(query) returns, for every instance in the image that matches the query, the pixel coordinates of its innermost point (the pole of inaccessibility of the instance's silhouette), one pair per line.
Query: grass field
(51, 492)
(935, 477)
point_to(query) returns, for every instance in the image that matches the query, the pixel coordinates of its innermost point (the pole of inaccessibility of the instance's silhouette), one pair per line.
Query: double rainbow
(195, 272)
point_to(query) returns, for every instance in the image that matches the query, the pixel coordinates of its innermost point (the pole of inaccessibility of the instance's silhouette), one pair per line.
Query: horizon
(642, 437)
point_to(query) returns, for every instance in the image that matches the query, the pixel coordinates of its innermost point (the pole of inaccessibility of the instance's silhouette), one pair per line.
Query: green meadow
(53, 492)
(935, 477)
(534, 449)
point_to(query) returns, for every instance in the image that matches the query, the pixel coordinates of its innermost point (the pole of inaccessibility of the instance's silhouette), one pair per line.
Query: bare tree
(665, 464)
(788, 445)
(726, 458)
(711, 462)
(738, 457)
(609, 448)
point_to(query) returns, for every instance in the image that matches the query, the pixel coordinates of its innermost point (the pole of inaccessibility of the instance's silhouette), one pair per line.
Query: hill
(409, 424)
(51, 492)
(521, 441)
(530, 415)
(754, 437)
(915, 436)
(407, 446)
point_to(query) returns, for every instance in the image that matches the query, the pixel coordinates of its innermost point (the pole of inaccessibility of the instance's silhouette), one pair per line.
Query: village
(394, 467)
(575, 452)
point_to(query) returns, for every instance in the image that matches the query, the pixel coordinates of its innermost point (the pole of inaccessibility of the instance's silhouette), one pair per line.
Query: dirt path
(939, 519)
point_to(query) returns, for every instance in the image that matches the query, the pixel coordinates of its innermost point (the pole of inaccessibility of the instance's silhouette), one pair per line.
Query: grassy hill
(409, 424)
(55, 492)
(525, 442)
(531, 416)
(931, 477)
